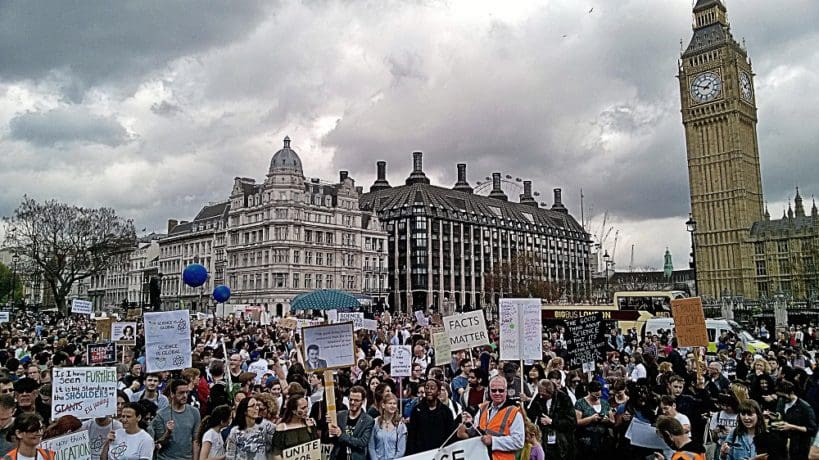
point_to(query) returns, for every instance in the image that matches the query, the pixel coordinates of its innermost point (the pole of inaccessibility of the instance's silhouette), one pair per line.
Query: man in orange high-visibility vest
(672, 432)
(500, 423)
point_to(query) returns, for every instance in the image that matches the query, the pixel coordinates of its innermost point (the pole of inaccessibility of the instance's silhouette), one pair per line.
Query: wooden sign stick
(330, 397)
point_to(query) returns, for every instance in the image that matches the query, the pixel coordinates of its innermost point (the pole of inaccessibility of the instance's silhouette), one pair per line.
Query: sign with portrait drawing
(328, 346)
(124, 333)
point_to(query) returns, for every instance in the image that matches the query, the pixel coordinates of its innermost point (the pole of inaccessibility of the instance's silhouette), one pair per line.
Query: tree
(67, 243)
(8, 278)
(522, 276)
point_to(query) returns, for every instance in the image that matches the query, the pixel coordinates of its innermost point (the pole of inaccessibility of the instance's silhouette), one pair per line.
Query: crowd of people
(249, 396)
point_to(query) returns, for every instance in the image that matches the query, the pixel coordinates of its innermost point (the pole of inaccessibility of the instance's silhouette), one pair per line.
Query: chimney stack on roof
(462, 185)
(172, 223)
(496, 192)
(381, 177)
(342, 176)
(558, 205)
(417, 176)
(526, 197)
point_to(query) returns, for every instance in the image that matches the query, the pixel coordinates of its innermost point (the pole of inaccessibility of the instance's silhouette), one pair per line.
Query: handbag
(711, 447)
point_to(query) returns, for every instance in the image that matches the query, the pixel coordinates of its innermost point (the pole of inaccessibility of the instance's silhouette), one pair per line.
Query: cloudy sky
(153, 107)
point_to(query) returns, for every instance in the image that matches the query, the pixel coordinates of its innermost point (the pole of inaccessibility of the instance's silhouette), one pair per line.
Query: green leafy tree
(9, 282)
(66, 243)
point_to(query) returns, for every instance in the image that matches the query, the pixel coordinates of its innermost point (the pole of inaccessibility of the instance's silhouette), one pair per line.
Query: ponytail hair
(219, 415)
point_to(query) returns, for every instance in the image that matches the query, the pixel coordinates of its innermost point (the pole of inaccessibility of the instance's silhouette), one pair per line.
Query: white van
(714, 328)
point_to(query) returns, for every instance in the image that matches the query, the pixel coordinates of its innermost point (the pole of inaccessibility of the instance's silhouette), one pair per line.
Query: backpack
(218, 395)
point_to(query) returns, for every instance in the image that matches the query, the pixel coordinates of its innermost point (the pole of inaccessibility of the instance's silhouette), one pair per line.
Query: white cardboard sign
(84, 392)
(521, 330)
(82, 307)
(401, 361)
(167, 340)
(73, 446)
(466, 330)
(356, 317)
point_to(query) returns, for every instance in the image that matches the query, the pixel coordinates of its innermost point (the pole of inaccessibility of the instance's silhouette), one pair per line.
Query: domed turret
(286, 161)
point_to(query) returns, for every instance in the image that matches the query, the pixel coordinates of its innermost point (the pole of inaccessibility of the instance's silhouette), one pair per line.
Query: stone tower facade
(719, 115)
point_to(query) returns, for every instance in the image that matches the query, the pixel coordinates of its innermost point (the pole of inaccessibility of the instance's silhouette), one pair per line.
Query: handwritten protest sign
(328, 346)
(689, 322)
(102, 353)
(401, 361)
(4, 317)
(124, 333)
(306, 451)
(73, 446)
(167, 340)
(520, 330)
(356, 317)
(443, 352)
(84, 392)
(82, 307)
(585, 335)
(369, 324)
(258, 367)
(466, 330)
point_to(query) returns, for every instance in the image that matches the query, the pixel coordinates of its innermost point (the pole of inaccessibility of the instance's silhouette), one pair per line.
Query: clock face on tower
(745, 89)
(706, 87)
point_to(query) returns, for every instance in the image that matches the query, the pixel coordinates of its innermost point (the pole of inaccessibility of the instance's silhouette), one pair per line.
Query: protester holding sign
(354, 429)
(176, 426)
(295, 427)
(131, 442)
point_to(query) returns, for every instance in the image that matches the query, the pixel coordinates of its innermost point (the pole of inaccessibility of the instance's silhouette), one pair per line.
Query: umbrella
(324, 299)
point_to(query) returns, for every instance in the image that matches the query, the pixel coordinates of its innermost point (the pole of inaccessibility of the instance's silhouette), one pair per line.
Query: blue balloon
(221, 293)
(195, 275)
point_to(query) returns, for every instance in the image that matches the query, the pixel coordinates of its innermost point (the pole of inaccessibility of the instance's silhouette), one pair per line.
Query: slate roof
(211, 211)
(214, 210)
(461, 206)
(785, 225)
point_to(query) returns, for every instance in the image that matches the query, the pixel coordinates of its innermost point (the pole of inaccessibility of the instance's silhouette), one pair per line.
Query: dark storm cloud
(88, 42)
(65, 126)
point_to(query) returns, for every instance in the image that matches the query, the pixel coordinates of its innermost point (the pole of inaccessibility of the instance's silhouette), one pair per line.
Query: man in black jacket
(798, 420)
(430, 422)
(552, 411)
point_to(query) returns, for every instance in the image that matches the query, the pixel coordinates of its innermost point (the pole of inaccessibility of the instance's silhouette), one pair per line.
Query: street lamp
(691, 227)
(606, 261)
(14, 259)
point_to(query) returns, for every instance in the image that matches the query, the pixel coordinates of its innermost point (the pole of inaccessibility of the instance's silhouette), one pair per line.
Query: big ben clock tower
(719, 116)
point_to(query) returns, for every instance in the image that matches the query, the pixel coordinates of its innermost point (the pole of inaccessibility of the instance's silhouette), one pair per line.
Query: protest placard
(356, 317)
(103, 327)
(466, 330)
(307, 451)
(134, 313)
(288, 323)
(520, 329)
(102, 353)
(471, 449)
(260, 368)
(82, 307)
(689, 322)
(443, 352)
(328, 346)
(167, 341)
(73, 446)
(84, 392)
(369, 324)
(332, 316)
(401, 361)
(4, 317)
(585, 335)
(124, 333)
(421, 319)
